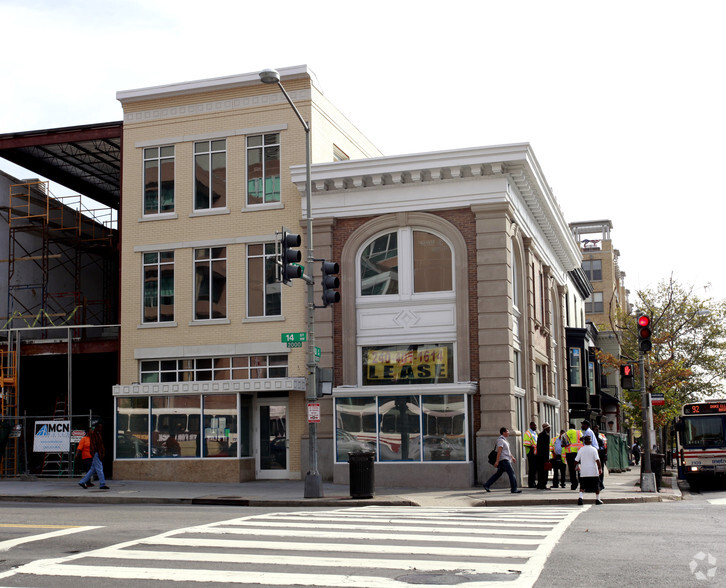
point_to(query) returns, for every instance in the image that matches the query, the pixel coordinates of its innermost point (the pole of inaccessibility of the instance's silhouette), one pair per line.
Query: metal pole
(645, 401)
(313, 482)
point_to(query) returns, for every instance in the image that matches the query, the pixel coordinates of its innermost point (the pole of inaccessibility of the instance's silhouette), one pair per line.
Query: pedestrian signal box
(627, 376)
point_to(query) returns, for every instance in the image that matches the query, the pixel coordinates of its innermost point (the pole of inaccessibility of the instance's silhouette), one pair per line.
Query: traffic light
(330, 283)
(644, 333)
(627, 376)
(290, 257)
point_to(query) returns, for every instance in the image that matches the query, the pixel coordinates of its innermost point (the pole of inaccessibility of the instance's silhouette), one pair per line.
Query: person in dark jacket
(543, 456)
(98, 452)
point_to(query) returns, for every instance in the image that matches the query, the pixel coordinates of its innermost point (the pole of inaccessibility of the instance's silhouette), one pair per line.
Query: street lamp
(313, 483)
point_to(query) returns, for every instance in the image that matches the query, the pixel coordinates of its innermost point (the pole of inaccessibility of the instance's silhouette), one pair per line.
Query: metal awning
(85, 159)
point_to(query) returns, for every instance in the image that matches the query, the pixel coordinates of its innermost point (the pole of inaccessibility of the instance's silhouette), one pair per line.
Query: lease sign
(421, 364)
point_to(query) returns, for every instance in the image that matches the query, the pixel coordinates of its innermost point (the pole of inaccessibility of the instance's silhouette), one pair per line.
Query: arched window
(430, 268)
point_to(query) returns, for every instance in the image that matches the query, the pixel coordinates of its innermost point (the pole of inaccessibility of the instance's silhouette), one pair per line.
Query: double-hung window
(263, 287)
(158, 180)
(158, 271)
(210, 174)
(263, 169)
(210, 287)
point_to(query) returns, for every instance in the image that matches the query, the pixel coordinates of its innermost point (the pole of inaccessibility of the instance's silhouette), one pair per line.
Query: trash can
(361, 474)
(657, 461)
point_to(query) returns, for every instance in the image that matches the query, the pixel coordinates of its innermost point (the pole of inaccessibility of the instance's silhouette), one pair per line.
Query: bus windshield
(703, 431)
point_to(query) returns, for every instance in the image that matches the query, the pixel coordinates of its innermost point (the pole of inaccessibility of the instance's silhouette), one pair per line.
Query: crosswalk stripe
(504, 551)
(10, 543)
(314, 534)
(349, 562)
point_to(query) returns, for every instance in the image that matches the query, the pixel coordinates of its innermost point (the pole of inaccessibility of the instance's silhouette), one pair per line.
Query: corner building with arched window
(459, 277)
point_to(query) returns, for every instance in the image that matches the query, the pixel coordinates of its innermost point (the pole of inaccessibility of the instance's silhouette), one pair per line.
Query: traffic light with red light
(644, 333)
(627, 376)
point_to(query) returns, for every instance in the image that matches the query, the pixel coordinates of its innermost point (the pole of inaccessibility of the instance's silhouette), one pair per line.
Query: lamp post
(313, 482)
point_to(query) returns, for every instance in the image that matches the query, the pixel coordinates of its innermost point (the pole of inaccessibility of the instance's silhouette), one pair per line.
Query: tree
(688, 359)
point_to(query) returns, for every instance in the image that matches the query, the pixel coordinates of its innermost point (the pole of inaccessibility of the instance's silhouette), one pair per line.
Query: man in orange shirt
(84, 450)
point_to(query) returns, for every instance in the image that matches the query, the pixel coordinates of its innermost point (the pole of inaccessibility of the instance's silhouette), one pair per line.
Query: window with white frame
(263, 287)
(263, 169)
(594, 303)
(210, 174)
(425, 260)
(158, 289)
(210, 287)
(575, 356)
(158, 180)
(593, 269)
(403, 428)
(205, 369)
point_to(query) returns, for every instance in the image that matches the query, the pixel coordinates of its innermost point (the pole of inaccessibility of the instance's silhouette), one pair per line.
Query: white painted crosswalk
(367, 547)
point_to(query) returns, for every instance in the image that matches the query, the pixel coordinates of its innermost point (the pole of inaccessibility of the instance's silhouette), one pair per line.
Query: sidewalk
(619, 488)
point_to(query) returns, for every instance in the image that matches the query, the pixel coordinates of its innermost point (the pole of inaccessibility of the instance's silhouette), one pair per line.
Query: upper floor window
(158, 269)
(210, 283)
(158, 180)
(210, 174)
(594, 303)
(575, 357)
(430, 268)
(263, 169)
(593, 269)
(202, 369)
(263, 287)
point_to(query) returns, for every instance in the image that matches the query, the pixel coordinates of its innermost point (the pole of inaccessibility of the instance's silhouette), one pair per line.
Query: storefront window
(355, 426)
(399, 433)
(431, 363)
(220, 425)
(132, 428)
(444, 419)
(391, 426)
(175, 426)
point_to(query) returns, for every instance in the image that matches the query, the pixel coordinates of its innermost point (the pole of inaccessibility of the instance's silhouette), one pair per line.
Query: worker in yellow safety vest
(574, 436)
(530, 450)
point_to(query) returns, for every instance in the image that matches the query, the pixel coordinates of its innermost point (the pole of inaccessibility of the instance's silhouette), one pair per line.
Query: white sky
(622, 101)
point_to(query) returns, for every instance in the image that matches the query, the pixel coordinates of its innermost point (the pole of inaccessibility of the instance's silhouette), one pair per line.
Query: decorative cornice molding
(214, 387)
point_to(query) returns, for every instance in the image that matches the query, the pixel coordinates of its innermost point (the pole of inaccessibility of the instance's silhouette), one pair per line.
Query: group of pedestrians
(91, 451)
(582, 452)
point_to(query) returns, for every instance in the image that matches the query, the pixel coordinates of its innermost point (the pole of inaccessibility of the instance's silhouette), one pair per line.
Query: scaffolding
(57, 247)
(60, 238)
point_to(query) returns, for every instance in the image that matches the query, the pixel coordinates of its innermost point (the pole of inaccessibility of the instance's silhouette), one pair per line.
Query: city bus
(701, 441)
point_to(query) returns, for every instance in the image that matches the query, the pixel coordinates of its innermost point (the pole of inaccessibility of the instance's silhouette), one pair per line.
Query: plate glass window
(263, 169)
(210, 174)
(158, 180)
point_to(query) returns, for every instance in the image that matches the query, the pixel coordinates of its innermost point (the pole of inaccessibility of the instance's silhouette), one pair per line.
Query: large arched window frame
(458, 297)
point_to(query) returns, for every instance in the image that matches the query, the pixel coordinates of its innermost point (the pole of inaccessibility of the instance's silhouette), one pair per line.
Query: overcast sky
(623, 102)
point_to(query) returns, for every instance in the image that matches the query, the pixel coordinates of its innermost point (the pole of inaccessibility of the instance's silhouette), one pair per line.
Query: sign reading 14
(294, 337)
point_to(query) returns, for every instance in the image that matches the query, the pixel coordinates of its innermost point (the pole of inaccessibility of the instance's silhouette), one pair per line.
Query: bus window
(703, 431)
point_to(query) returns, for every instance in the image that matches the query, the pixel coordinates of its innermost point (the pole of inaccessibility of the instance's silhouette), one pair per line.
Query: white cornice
(470, 176)
(210, 84)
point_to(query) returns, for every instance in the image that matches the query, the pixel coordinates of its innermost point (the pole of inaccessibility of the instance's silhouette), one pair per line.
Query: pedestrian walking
(84, 452)
(558, 461)
(589, 468)
(503, 463)
(636, 453)
(530, 449)
(98, 451)
(543, 456)
(602, 452)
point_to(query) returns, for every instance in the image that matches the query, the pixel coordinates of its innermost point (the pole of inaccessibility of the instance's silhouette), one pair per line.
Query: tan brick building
(207, 389)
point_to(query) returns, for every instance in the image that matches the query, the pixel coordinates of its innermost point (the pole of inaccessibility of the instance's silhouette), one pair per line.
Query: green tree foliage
(688, 359)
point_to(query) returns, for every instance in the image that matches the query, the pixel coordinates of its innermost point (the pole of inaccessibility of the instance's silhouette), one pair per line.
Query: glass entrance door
(272, 442)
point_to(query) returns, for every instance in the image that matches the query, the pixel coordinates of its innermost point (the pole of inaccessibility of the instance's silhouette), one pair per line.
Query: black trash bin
(657, 461)
(361, 474)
